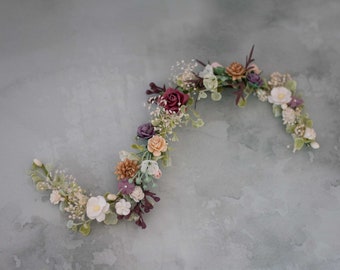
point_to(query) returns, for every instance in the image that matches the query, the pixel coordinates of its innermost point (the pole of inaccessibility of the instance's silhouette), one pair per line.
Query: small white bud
(111, 197)
(315, 145)
(37, 162)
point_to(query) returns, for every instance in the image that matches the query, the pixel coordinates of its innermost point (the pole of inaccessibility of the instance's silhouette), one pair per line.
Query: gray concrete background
(72, 81)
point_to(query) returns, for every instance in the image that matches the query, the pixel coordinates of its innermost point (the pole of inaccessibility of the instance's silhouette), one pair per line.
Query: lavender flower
(125, 187)
(295, 102)
(145, 131)
(254, 79)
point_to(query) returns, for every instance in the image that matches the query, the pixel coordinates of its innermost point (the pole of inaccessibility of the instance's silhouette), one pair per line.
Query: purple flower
(295, 102)
(125, 187)
(145, 131)
(254, 79)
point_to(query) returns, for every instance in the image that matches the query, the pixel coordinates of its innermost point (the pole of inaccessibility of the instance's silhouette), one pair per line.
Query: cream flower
(288, 116)
(137, 194)
(315, 145)
(210, 82)
(310, 134)
(55, 197)
(280, 95)
(156, 145)
(207, 71)
(123, 207)
(261, 95)
(96, 208)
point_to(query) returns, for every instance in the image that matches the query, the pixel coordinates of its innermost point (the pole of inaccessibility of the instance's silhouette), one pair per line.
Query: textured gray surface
(72, 81)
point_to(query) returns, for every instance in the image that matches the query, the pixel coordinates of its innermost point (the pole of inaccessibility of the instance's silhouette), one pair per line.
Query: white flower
(288, 116)
(123, 207)
(137, 194)
(210, 82)
(111, 197)
(149, 166)
(310, 134)
(280, 95)
(55, 197)
(208, 70)
(126, 155)
(96, 208)
(37, 162)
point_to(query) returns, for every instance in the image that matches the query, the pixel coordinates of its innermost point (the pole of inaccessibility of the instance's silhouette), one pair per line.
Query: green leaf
(36, 178)
(298, 143)
(290, 129)
(242, 102)
(111, 219)
(219, 71)
(277, 110)
(309, 123)
(85, 229)
(291, 85)
(138, 147)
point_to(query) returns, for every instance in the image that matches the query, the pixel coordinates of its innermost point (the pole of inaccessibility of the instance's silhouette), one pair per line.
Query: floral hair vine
(171, 107)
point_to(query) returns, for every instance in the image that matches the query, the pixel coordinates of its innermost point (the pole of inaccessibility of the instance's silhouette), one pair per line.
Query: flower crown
(171, 107)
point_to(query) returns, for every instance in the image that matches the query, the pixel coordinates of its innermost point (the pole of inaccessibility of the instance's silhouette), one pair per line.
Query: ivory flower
(137, 194)
(288, 116)
(149, 166)
(55, 197)
(123, 207)
(96, 208)
(280, 95)
(310, 134)
(156, 145)
(210, 82)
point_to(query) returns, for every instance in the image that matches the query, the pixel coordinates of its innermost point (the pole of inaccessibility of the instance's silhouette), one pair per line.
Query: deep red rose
(173, 99)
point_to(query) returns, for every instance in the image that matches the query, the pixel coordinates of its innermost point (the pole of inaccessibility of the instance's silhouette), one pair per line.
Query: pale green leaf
(85, 229)
(298, 143)
(111, 219)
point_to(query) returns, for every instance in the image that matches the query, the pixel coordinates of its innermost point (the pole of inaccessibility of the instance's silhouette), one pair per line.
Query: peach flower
(156, 145)
(236, 71)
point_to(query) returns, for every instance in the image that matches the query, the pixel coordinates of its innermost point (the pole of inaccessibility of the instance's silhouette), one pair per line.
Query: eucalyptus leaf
(111, 219)
(216, 96)
(309, 123)
(36, 178)
(291, 85)
(137, 147)
(242, 102)
(277, 110)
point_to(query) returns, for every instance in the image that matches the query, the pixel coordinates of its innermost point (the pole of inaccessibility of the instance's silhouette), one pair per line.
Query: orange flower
(236, 71)
(156, 145)
(126, 169)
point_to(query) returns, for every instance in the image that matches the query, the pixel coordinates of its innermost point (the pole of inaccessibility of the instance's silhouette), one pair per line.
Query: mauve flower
(216, 64)
(173, 99)
(145, 131)
(125, 187)
(254, 79)
(295, 102)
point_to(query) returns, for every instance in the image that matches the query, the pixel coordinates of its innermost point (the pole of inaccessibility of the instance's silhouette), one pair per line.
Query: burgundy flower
(125, 187)
(254, 79)
(145, 131)
(173, 99)
(295, 102)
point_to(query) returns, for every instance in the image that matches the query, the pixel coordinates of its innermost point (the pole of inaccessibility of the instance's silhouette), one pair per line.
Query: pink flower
(216, 64)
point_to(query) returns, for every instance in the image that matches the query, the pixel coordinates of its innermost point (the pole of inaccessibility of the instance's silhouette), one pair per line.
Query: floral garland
(169, 108)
